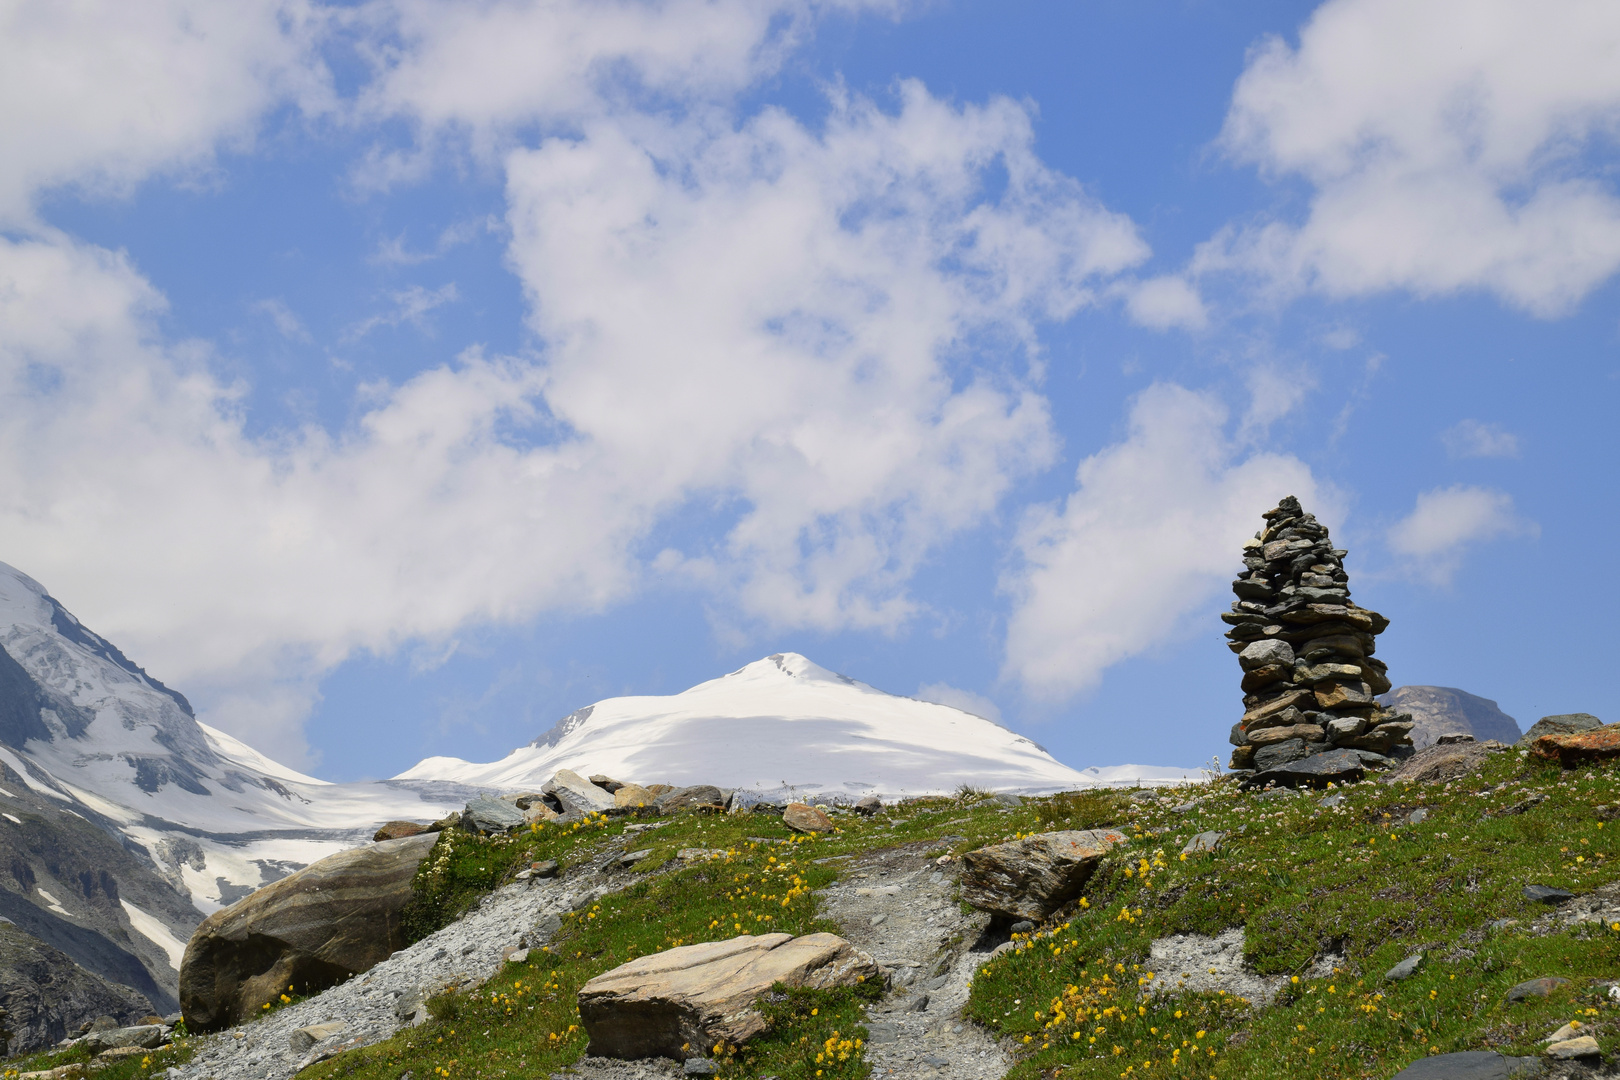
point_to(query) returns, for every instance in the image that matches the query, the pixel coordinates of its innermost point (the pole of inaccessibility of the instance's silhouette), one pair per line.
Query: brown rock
(1033, 877)
(1438, 764)
(539, 812)
(1602, 744)
(1286, 718)
(398, 830)
(1277, 705)
(1262, 677)
(633, 795)
(1267, 736)
(682, 1002)
(606, 783)
(1337, 695)
(660, 790)
(808, 819)
(312, 929)
(1352, 645)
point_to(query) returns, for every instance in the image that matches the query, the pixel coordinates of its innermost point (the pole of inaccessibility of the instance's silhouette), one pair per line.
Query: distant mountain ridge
(785, 725)
(1445, 710)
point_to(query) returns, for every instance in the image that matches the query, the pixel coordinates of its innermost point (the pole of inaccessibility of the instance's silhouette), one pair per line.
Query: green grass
(133, 1067)
(1304, 880)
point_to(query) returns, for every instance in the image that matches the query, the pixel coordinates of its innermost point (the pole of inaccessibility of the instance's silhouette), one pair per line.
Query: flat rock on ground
(1033, 877)
(1437, 764)
(1469, 1065)
(1193, 963)
(927, 944)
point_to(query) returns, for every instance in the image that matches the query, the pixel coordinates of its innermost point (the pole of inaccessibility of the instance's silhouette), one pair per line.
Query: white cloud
(1434, 536)
(969, 702)
(823, 340)
(1477, 439)
(1152, 532)
(283, 318)
(102, 93)
(1455, 145)
(815, 325)
(410, 305)
(1165, 302)
(485, 71)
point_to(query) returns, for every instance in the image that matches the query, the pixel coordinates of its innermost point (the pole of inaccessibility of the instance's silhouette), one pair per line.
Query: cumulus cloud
(1166, 302)
(1477, 439)
(1457, 145)
(1433, 538)
(101, 93)
(823, 339)
(1150, 535)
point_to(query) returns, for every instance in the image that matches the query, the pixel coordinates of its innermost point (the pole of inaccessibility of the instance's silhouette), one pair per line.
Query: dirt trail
(900, 907)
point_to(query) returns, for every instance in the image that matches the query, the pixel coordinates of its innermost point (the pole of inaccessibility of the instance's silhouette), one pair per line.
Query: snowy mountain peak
(781, 724)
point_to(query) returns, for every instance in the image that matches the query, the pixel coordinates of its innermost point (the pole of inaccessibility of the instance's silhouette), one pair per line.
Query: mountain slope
(123, 820)
(785, 725)
(1445, 710)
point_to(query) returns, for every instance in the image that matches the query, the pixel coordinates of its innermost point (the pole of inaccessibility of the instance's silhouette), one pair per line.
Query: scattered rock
(1535, 988)
(1405, 969)
(607, 784)
(630, 858)
(306, 1037)
(513, 955)
(697, 797)
(546, 869)
(1033, 877)
(1561, 724)
(491, 816)
(140, 1037)
(1454, 737)
(869, 806)
(1570, 1049)
(1468, 1065)
(1418, 816)
(1546, 894)
(659, 790)
(398, 830)
(698, 995)
(1317, 771)
(1438, 764)
(806, 819)
(1599, 744)
(633, 795)
(1203, 842)
(333, 919)
(577, 794)
(538, 812)
(1568, 1031)
(700, 1067)
(1529, 802)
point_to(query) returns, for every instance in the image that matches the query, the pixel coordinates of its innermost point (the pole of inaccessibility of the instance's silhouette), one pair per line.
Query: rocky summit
(1306, 650)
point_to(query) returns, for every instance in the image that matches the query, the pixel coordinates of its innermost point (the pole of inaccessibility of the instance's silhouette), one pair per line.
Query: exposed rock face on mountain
(1444, 710)
(47, 996)
(311, 930)
(123, 820)
(1306, 650)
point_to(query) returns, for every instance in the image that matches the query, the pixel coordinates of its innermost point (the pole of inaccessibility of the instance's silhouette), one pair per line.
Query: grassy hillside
(1354, 883)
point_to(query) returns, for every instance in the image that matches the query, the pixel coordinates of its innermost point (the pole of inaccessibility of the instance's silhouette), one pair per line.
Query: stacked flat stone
(1309, 675)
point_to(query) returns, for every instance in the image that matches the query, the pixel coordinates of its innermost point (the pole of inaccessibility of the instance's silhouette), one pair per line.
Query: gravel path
(901, 908)
(373, 1006)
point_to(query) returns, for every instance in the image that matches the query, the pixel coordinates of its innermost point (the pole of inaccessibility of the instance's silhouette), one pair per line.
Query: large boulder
(1561, 724)
(577, 794)
(679, 1003)
(331, 920)
(1598, 744)
(631, 796)
(491, 816)
(1033, 877)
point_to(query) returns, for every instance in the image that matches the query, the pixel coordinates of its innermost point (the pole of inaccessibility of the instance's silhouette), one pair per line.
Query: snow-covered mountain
(95, 735)
(785, 725)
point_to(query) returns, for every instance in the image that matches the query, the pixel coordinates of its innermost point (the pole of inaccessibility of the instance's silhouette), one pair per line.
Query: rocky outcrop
(577, 794)
(696, 797)
(1579, 748)
(1561, 724)
(1445, 710)
(1309, 675)
(312, 929)
(1033, 877)
(679, 1003)
(48, 997)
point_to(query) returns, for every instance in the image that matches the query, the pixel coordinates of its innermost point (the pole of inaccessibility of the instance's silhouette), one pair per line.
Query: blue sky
(396, 378)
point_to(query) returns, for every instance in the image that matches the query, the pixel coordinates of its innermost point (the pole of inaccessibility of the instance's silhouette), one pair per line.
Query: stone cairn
(1309, 676)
